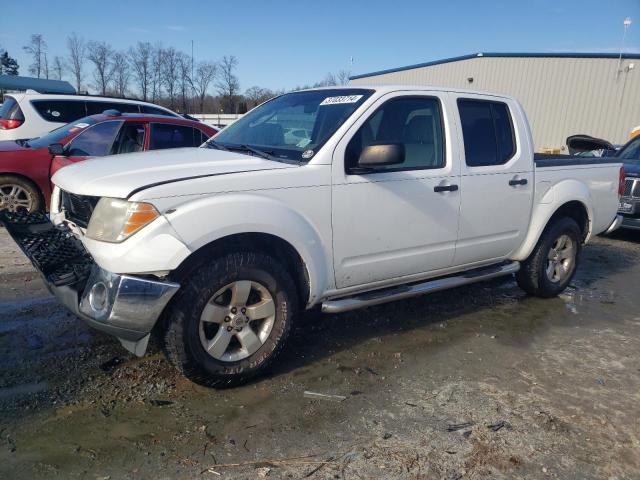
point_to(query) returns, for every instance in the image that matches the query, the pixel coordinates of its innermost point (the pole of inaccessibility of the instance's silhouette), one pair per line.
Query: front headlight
(114, 220)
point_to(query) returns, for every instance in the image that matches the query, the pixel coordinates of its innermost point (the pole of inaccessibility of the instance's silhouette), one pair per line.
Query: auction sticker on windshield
(341, 99)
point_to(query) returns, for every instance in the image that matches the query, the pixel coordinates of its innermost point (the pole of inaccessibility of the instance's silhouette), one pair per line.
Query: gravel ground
(478, 382)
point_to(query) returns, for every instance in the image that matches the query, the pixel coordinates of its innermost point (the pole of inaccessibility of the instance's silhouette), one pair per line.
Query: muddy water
(479, 382)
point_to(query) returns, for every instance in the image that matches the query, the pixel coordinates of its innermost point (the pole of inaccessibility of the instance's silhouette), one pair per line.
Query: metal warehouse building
(563, 94)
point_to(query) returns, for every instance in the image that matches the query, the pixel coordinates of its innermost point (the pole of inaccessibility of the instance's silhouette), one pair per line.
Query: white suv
(32, 114)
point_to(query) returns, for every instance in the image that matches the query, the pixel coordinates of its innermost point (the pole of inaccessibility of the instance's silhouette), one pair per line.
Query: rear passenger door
(496, 185)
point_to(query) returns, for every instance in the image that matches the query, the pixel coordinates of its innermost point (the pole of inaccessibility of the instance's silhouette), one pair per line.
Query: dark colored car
(629, 154)
(26, 166)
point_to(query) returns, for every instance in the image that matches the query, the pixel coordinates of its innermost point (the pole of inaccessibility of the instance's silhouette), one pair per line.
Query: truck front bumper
(122, 305)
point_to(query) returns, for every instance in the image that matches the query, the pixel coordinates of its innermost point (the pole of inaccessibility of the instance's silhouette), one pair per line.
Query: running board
(377, 297)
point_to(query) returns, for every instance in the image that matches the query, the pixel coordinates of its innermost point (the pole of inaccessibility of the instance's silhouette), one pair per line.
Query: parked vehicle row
(26, 166)
(391, 192)
(32, 114)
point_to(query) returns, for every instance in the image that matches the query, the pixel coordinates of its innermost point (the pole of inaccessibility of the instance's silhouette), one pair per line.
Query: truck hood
(120, 175)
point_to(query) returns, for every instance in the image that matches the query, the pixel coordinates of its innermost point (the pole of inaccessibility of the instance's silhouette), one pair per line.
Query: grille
(78, 208)
(54, 251)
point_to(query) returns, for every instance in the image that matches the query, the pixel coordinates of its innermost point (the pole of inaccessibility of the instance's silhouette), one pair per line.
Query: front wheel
(552, 264)
(231, 319)
(17, 194)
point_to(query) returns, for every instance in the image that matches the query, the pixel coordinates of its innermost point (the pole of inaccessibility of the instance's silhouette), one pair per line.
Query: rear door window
(61, 111)
(155, 111)
(94, 108)
(166, 135)
(488, 132)
(96, 141)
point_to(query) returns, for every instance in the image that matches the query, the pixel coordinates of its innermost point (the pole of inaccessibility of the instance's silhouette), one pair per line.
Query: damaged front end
(122, 305)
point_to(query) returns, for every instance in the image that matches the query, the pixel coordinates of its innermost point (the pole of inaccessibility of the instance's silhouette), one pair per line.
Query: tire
(18, 194)
(552, 264)
(214, 291)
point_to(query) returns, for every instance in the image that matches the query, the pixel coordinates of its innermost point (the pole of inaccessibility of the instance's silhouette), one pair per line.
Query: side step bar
(377, 297)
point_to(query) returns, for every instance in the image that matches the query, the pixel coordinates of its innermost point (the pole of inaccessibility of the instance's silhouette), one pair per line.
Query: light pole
(626, 24)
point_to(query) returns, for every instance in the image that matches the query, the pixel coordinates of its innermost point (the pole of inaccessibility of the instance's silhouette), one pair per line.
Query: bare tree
(171, 73)
(58, 67)
(46, 66)
(204, 75)
(140, 58)
(100, 54)
(256, 95)
(157, 60)
(77, 55)
(184, 79)
(342, 77)
(37, 49)
(228, 84)
(121, 73)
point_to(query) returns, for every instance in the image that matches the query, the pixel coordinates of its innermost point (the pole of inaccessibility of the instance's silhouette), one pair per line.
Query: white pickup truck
(341, 198)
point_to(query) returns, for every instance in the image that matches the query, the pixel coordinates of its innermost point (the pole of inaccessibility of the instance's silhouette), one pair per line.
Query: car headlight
(114, 220)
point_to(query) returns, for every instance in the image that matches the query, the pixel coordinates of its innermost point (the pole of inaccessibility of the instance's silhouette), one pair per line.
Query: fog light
(98, 297)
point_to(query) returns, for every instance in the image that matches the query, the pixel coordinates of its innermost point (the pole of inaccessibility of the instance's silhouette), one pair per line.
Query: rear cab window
(488, 132)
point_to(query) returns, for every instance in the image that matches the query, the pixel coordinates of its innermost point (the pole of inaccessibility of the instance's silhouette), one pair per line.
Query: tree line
(151, 72)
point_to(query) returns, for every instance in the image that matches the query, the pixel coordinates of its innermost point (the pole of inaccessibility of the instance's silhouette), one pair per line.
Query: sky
(284, 44)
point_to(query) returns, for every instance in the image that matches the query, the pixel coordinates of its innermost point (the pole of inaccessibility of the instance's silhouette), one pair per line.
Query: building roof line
(500, 55)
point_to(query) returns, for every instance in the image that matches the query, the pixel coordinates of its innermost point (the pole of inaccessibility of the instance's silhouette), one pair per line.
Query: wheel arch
(576, 209)
(267, 243)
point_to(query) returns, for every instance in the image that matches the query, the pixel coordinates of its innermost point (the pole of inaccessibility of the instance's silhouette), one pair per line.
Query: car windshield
(293, 126)
(630, 153)
(60, 134)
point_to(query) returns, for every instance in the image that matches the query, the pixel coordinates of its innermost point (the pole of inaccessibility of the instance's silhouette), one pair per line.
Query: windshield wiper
(255, 151)
(214, 144)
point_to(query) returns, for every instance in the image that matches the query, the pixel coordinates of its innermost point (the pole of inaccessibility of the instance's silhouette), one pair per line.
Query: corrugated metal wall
(562, 96)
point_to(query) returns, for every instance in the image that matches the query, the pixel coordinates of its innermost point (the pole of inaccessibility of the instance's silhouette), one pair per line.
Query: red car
(26, 166)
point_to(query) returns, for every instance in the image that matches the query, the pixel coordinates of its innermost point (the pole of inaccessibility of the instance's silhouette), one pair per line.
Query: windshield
(60, 134)
(295, 125)
(630, 153)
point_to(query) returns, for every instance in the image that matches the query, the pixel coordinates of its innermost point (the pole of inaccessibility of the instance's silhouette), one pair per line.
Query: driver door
(398, 220)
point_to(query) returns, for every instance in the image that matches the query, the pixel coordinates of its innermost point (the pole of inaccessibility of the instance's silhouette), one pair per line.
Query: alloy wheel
(14, 198)
(561, 259)
(237, 320)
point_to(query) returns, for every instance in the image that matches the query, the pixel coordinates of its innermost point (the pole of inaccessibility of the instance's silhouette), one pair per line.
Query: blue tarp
(41, 85)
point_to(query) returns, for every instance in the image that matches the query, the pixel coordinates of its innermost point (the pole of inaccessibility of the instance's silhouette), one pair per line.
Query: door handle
(515, 182)
(445, 188)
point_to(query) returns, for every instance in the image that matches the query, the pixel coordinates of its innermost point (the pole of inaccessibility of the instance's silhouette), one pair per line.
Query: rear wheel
(553, 262)
(231, 319)
(17, 194)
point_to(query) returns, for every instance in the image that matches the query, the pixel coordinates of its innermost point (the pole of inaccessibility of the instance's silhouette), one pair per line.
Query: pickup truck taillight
(9, 124)
(621, 182)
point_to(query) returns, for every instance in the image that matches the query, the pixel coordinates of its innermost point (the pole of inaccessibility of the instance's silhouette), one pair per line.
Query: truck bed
(554, 160)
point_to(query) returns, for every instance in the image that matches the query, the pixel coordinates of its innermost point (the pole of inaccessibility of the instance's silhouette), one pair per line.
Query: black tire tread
(173, 333)
(531, 277)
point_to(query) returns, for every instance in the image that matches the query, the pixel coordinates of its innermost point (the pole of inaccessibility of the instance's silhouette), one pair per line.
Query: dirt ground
(478, 382)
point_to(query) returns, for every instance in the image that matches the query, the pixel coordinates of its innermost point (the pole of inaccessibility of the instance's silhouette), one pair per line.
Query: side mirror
(56, 149)
(381, 155)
